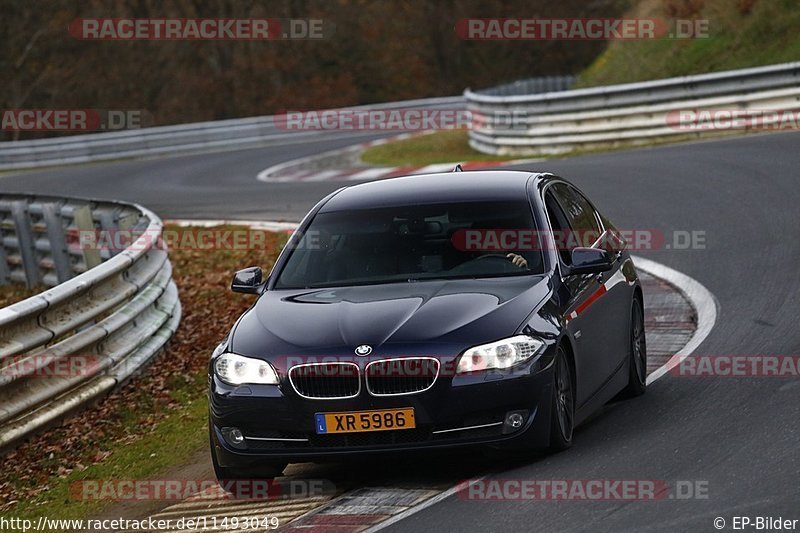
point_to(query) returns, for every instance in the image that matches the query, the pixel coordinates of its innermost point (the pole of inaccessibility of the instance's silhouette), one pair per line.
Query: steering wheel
(465, 267)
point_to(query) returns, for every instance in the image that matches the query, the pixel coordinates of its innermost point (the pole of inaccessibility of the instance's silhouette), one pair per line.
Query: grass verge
(430, 149)
(453, 146)
(741, 34)
(154, 422)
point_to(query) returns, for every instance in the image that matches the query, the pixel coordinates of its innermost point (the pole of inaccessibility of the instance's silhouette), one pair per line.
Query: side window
(558, 221)
(614, 241)
(580, 214)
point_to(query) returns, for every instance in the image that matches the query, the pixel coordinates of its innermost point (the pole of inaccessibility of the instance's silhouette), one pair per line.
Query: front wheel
(562, 415)
(637, 371)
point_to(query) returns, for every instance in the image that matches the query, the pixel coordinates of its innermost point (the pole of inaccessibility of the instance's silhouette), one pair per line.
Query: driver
(518, 260)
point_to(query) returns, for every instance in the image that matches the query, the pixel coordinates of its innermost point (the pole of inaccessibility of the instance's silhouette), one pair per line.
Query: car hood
(459, 312)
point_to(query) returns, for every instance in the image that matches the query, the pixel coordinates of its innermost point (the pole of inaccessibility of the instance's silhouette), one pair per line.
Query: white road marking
(372, 173)
(419, 507)
(321, 175)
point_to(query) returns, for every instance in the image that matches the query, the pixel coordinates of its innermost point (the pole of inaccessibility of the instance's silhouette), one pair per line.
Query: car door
(592, 313)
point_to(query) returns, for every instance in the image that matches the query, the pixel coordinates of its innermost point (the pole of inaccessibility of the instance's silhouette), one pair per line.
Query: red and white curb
(702, 300)
(313, 168)
(365, 508)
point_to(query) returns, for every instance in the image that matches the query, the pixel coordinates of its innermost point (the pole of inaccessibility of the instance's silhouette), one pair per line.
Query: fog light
(514, 421)
(234, 437)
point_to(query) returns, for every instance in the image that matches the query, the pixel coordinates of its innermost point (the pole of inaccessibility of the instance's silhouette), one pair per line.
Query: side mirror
(248, 281)
(589, 261)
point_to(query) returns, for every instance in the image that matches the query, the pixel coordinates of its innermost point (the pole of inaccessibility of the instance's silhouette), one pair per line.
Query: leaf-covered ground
(10, 294)
(156, 420)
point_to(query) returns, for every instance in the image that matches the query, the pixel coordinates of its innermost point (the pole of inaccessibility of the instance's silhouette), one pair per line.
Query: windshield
(410, 243)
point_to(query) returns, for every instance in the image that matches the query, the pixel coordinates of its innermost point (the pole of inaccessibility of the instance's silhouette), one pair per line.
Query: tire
(562, 414)
(637, 364)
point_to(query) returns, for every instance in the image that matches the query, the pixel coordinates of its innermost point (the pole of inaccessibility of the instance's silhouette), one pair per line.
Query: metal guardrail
(107, 313)
(234, 134)
(633, 113)
(544, 84)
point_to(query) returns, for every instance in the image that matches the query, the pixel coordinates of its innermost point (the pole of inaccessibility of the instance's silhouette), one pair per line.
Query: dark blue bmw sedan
(471, 309)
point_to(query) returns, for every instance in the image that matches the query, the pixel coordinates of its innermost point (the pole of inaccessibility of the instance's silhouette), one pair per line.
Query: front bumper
(458, 411)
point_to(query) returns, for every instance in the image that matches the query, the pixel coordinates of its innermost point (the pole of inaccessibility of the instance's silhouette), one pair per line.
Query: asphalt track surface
(741, 436)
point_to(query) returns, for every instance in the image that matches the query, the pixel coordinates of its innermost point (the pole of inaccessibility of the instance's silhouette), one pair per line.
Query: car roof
(486, 185)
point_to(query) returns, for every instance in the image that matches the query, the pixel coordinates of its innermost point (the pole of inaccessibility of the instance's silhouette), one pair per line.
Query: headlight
(235, 369)
(499, 355)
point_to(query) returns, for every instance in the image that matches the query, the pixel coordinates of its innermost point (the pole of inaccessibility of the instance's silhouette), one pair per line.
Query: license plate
(358, 421)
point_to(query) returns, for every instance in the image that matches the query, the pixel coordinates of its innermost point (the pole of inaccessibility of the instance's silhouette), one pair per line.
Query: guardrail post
(27, 249)
(58, 243)
(5, 226)
(5, 272)
(83, 222)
